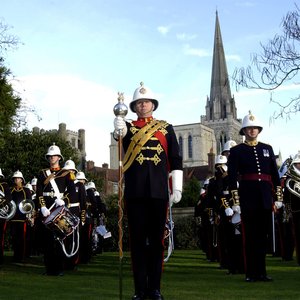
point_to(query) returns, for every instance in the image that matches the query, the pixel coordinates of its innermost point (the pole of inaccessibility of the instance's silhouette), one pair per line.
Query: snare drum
(61, 222)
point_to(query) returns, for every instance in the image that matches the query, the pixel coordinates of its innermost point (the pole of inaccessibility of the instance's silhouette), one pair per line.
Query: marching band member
(223, 210)
(151, 153)
(54, 187)
(80, 182)
(19, 224)
(5, 201)
(87, 229)
(70, 263)
(292, 199)
(253, 174)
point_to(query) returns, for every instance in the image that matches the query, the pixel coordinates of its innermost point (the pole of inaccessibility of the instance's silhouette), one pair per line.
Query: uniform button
(259, 179)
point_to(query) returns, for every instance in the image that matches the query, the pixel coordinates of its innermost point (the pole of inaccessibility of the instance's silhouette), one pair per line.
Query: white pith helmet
(33, 181)
(80, 176)
(29, 186)
(250, 121)
(90, 185)
(70, 165)
(54, 150)
(220, 160)
(296, 158)
(18, 174)
(143, 92)
(228, 145)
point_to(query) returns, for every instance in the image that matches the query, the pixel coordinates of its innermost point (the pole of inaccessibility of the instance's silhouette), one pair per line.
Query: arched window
(180, 142)
(190, 146)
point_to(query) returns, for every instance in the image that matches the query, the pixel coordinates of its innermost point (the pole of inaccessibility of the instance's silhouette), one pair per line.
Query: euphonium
(293, 181)
(8, 210)
(26, 206)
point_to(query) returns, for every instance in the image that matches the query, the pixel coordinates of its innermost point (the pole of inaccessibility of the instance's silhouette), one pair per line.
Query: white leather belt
(51, 194)
(225, 192)
(74, 204)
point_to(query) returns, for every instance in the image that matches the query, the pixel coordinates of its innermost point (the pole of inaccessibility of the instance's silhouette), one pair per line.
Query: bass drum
(61, 222)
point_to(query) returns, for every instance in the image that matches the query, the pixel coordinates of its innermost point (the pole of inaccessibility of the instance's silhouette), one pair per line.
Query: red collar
(140, 122)
(55, 169)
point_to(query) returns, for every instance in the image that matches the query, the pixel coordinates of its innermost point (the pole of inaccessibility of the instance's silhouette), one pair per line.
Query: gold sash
(139, 140)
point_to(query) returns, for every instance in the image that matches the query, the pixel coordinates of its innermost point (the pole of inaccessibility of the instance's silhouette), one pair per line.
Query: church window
(180, 142)
(190, 146)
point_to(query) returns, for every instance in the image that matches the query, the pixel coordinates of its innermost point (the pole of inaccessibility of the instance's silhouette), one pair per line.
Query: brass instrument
(293, 181)
(26, 206)
(7, 210)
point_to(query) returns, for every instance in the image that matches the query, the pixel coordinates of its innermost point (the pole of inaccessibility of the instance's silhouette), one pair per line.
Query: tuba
(26, 206)
(293, 181)
(7, 210)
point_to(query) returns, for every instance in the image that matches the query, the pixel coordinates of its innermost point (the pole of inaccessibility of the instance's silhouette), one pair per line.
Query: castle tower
(221, 112)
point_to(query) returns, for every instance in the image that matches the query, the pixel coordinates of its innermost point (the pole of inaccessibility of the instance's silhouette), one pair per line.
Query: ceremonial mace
(120, 110)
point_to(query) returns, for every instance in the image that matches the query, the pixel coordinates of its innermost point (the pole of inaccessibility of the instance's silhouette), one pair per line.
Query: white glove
(59, 202)
(45, 211)
(228, 212)
(278, 204)
(176, 193)
(120, 126)
(236, 208)
(175, 197)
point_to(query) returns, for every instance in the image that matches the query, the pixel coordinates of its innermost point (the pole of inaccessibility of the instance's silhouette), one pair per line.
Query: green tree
(25, 151)
(190, 194)
(9, 102)
(278, 63)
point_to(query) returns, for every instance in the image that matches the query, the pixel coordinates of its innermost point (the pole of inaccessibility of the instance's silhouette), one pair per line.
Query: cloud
(187, 50)
(164, 30)
(79, 103)
(233, 57)
(185, 37)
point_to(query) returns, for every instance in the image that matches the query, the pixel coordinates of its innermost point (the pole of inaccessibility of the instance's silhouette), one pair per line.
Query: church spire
(220, 104)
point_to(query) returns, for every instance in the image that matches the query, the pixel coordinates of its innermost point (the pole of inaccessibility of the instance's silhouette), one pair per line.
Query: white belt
(51, 194)
(74, 204)
(225, 192)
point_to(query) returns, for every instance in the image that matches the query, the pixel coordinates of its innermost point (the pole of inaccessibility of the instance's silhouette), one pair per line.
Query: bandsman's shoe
(250, 279)
(138, 296)
(265, 278)
(156, 295)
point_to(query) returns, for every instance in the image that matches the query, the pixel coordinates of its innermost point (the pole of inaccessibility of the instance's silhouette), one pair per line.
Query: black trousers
(255, 226)
(19, 240)
(53, 253)
(2, 235)
(146, 220)
(296, 232)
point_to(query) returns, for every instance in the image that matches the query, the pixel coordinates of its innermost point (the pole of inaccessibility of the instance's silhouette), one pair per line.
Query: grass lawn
(187, 275)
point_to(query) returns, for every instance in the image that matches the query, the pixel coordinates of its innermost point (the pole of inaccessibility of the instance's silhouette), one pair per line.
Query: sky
(76, 55)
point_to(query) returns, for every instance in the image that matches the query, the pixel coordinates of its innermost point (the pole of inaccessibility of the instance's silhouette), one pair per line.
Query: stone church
(200, 142)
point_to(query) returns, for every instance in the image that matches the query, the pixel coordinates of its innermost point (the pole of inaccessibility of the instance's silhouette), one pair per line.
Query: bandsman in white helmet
(292, 200)
(19, 223)
(151, 154)
(253, 176)
(55, 188)
(227, 146)
(7, 211)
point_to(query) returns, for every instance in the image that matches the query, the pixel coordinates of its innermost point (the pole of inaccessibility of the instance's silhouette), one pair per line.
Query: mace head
(120, 109)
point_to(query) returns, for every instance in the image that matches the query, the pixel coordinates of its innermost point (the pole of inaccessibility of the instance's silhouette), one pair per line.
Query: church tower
(221, 112)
